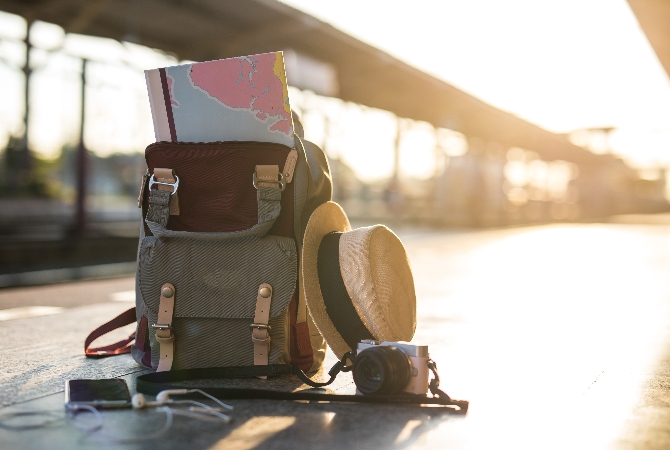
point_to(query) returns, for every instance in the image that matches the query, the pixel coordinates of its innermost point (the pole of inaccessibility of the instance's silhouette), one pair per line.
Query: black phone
(106, 393)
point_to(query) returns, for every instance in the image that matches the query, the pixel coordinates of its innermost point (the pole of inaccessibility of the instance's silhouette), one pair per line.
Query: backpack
(218, 262)
(218, 289)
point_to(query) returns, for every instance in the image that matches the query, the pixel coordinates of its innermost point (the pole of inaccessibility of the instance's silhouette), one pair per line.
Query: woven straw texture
(378, 277)
(376, 273)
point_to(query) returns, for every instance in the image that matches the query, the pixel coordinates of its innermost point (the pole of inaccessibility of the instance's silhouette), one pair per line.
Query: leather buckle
(174, 185)
(160, 329)
(281, 183)
(260, 326)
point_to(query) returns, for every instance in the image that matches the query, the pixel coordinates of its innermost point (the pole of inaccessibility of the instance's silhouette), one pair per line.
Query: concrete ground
(559, 336)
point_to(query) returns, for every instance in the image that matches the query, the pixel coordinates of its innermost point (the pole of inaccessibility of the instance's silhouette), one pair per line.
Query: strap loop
(434, 385)
(259, 329)
(163, 327)
(277, 183)
(167, 180)
(117, 348)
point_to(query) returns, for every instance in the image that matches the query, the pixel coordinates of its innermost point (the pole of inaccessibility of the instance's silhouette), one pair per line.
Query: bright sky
(562, 64)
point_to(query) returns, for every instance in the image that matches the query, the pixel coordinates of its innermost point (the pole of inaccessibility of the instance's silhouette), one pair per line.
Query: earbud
(164, 396)
(139, 401)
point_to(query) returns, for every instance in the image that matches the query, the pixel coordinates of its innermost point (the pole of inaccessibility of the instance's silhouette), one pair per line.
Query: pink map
(255, 84)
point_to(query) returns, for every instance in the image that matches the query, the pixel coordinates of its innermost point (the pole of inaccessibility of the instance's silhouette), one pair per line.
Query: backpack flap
(219, 186)
(216, 291)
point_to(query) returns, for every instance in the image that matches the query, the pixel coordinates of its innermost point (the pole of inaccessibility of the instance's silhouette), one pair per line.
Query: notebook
(234, 99)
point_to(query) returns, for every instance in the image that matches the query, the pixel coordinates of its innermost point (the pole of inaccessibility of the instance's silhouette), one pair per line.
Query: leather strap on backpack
(166, 181)
(259, 329)
(163, 327)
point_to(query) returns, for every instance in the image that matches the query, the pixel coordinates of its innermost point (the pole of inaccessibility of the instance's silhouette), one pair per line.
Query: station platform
(558, 335)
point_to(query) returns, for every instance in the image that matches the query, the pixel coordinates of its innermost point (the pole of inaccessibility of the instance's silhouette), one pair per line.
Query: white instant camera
(387, 368)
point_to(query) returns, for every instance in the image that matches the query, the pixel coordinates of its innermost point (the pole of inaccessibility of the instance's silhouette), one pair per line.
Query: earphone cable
(206, 409)
(212, 398)
(73, 409)
(56, 416)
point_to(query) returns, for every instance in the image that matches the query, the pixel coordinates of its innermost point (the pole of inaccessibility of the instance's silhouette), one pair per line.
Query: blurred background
(449, 114)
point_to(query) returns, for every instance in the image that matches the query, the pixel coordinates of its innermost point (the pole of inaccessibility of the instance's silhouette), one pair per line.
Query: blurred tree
(21, 177)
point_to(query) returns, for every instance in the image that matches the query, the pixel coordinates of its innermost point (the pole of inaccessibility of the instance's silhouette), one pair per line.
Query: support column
(82, 163)
(394, 191)
(23, 162)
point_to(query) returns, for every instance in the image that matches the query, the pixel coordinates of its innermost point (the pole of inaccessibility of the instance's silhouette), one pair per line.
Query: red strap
(303, 340)
(118, 348)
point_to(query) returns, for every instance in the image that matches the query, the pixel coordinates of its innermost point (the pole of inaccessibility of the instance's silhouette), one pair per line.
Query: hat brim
(327, 218)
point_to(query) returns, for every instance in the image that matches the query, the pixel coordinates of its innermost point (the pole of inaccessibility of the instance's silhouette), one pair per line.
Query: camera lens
(381, 370)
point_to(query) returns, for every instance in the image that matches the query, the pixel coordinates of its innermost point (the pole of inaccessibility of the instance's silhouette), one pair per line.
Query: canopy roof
(654, 18)
(203, 30)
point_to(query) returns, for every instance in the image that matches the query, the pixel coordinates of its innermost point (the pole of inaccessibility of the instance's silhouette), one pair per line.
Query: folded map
(235, 99)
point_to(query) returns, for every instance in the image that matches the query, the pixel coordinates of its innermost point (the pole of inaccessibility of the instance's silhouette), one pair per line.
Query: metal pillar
(395, 179)
(23, 166)
(80, 217)
(394, 197)
(27, 72)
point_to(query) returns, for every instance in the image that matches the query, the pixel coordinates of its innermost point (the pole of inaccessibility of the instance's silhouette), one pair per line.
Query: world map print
(252, 83)
(235, 99)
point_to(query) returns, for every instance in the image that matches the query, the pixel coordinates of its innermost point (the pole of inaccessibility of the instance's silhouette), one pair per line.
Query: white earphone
(164, 396)
(139, 401)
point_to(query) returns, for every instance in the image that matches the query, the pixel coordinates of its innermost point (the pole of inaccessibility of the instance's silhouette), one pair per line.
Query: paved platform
(558, 335)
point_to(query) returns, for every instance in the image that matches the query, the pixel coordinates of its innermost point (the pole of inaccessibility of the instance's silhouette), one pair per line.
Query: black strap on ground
(153, 383)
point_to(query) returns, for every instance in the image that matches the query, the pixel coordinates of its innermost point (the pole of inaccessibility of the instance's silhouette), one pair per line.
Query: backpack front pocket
(216, 285)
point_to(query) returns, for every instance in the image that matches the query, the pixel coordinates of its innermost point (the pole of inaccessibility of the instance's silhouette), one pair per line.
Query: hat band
(338, 304)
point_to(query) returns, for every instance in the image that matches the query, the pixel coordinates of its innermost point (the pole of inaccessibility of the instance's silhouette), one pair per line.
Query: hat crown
(378, 278)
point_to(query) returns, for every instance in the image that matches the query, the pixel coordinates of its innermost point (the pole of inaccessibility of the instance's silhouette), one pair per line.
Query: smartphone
(107, 393)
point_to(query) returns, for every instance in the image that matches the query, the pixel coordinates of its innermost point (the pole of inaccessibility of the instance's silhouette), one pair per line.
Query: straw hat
(358, 283)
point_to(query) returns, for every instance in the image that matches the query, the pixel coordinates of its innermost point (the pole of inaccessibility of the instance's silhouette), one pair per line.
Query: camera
(386, 368)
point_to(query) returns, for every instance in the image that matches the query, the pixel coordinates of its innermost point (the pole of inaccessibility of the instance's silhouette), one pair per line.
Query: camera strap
(153, 383)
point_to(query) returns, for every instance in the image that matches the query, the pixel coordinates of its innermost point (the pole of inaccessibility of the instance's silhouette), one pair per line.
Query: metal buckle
(280, 182)
(161, 327)
(174, 185)
(260, 326)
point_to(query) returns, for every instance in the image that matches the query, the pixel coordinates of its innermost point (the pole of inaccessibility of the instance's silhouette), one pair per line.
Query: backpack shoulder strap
(153, 383)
